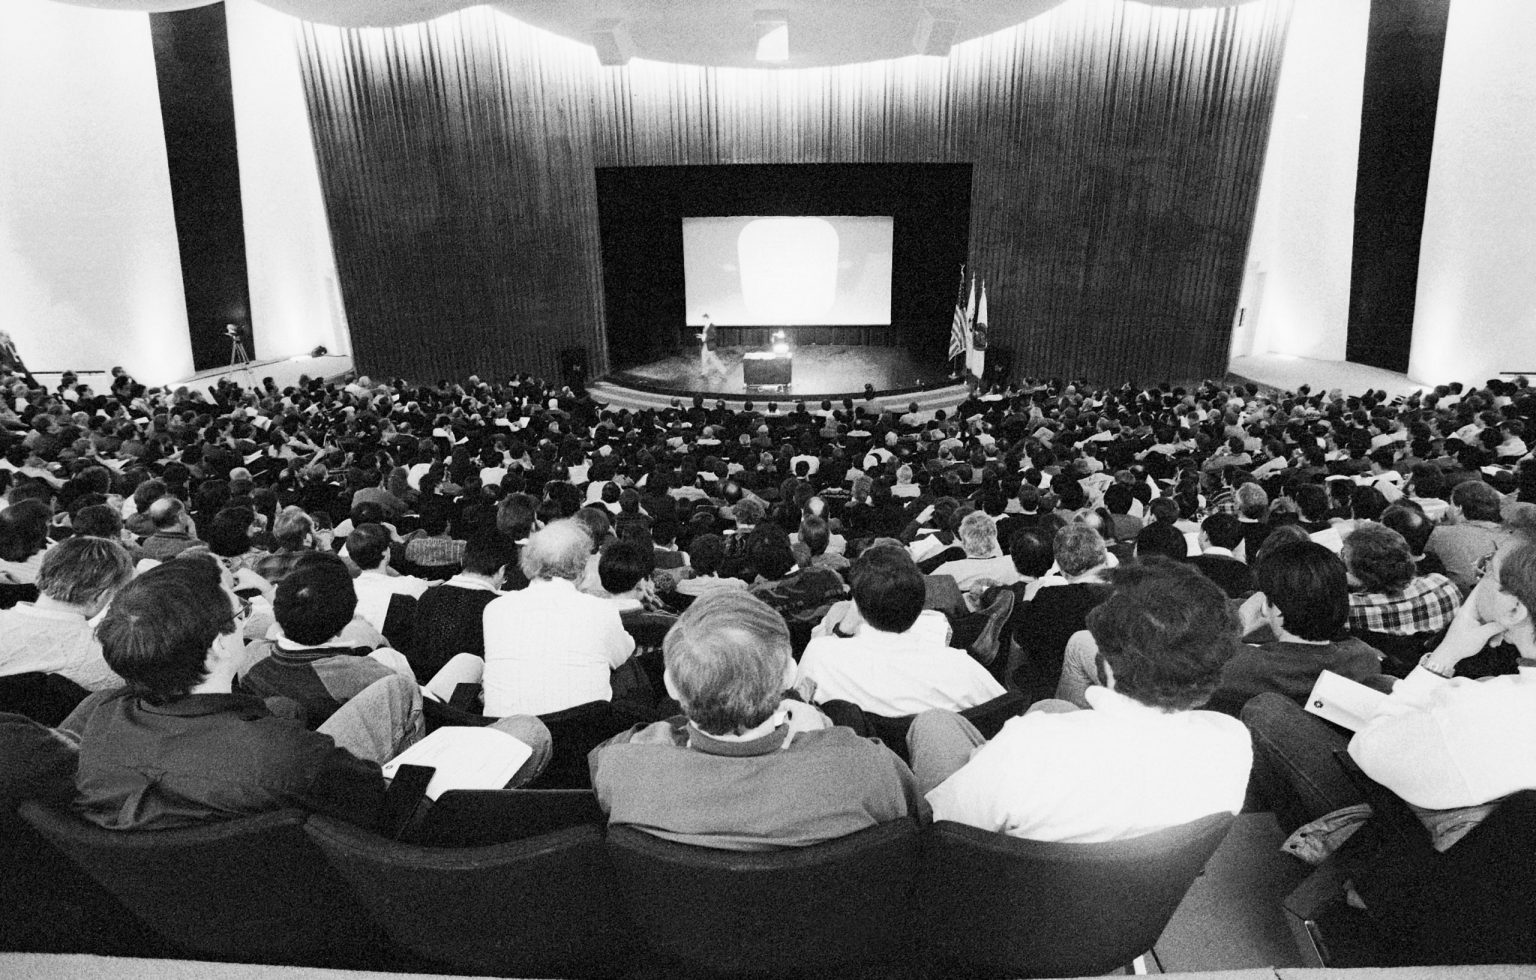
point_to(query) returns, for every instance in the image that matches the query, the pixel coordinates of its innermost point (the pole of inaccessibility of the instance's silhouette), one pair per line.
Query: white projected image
(791, 271)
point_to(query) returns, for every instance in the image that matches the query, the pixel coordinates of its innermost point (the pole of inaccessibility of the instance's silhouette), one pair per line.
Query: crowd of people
(250, 599)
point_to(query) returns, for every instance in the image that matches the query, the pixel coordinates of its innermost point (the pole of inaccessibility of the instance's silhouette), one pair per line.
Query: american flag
(960, 327)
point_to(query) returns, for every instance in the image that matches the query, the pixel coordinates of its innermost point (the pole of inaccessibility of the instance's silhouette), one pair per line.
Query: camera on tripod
(233, 331)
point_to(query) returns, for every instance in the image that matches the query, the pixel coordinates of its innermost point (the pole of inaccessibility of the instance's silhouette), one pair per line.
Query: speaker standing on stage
(708, 341)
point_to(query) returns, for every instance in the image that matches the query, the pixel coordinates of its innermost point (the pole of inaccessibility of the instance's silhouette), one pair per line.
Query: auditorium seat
(481, 817)
(576, 732)
(45, 698)
(994, 905)
(831, 909)
(541, 907)
(989, 719)
(250, 890)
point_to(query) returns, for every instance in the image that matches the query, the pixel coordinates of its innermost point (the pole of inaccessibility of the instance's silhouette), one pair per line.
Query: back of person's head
(815, 534)
(1409, 521)
(229, 533)
(748, 513)
(1367, 503)
(81, 571)
(1223, 530)
(706, 553)
(487, 553)
(23, 529)
(1311, 501)
(1164, 510)
(888, 588)
(978, 535)
(1378, 558)
(368, 512)
(558, 550)
(368, 545)
(147, 493)
(597, 522)
(292, 528)
(1162, 539)
(98, 521)
(1252, 501)
(1032, 551)
(315, 601)
(767, 549)
(622, 565)
(1165, 631)
(1118, 498)
(158, 631)
(166, 513)
(728, 661)
(1308, 584)
(1078, 549)
(1477, 500)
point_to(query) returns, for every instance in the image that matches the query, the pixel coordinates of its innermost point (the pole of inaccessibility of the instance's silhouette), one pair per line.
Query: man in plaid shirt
(1387, 596)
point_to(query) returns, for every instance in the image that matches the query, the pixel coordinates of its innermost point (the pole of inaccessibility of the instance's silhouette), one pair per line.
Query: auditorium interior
(934, 220)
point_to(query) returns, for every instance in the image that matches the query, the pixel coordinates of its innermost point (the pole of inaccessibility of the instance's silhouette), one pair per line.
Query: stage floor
(1287, 372)
(820, 371)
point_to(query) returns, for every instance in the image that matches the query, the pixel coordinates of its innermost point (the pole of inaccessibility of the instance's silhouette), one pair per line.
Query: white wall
(89, 271)
(1475, 312)
(295, 298)
(1296, 283)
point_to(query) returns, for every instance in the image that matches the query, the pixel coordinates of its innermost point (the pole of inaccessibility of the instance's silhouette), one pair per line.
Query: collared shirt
(549, 647)
(208, 757)
(895, 673)
(778, 789)
(1427, 604)
(53, 641)
(1120, 770)
(1442, 744)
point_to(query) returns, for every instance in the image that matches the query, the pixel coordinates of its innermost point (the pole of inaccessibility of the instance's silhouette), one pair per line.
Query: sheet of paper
(465, 758)
(1342, 701)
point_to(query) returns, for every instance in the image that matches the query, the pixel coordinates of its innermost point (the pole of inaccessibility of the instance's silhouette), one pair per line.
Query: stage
(1287, 372)
(820, 371)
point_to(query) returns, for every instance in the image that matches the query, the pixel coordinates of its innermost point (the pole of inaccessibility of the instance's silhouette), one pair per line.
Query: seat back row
(575, 901)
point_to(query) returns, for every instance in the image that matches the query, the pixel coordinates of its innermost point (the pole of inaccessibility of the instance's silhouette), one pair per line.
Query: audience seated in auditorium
(1142, 758)
(984, 562)
(385, 600)
(743, 768)
(1388, 595)
(1220, 534)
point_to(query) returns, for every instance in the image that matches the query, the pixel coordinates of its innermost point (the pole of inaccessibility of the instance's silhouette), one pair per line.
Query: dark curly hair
(1379, 558)
(1308, 584)
(1166, 631)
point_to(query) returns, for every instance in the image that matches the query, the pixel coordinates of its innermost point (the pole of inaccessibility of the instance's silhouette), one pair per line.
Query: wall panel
(1116, 148)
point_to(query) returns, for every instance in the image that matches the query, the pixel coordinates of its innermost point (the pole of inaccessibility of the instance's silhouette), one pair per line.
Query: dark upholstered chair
(45, 698)
(825, 910)
(993, 905)
(250, 890)
(541, 907)
(576, 732)
(11, 594)
(989, 719)
(481, 817)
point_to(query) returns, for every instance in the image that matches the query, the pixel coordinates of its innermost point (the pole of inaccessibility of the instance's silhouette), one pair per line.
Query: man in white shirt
(889, 666)
(1141, 760)
(984, 560)
(368, 546)
(54, 635)
(549, 647)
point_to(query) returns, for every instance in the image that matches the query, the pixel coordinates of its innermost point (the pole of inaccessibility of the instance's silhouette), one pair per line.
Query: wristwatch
(1427, 662)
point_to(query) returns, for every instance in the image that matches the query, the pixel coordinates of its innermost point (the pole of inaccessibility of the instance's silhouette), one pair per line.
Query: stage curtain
(458, 180)
(1116, 147)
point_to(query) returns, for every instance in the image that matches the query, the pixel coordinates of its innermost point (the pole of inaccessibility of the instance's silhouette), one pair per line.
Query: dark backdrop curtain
(1116, 147)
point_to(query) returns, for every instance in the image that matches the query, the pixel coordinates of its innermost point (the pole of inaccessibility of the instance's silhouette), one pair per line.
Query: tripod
(240, 358)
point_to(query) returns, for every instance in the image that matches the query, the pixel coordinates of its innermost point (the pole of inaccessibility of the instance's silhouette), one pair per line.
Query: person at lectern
(709, 340)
